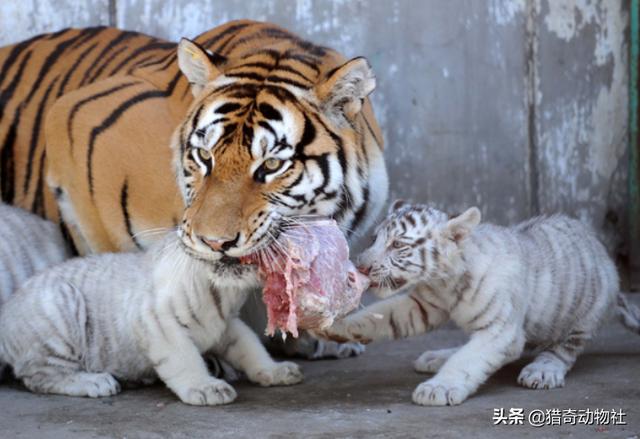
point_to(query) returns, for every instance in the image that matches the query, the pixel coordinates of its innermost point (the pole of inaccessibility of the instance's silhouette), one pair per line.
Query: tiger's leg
(397, 317)
(243, 349)
(549, 368)
(432, 361)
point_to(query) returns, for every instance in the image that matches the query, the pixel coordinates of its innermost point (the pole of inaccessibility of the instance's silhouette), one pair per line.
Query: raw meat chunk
(308, 278)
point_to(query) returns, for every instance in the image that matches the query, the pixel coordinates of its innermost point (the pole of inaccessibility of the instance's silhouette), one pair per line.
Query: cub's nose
(364, 270)
(217, 244)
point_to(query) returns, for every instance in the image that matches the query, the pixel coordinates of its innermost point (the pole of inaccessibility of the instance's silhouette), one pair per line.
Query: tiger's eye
(397, 244)
(204, 154)
(272, 164)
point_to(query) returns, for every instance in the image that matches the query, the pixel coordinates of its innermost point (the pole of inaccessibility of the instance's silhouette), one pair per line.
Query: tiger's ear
(198, 64)
(343, 92)
(399, 203)
(461, 226)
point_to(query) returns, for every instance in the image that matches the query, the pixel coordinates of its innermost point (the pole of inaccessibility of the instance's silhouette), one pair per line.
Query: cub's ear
(399, 203)
(462, 225)
(198, 64)
(344, 90)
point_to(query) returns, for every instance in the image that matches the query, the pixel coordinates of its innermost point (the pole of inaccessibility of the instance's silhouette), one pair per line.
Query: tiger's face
(415, 243)
(250, 155)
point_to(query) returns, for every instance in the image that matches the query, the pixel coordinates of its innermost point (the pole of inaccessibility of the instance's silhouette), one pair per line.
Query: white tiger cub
(548, 282)
(28, 245)
(78, 328)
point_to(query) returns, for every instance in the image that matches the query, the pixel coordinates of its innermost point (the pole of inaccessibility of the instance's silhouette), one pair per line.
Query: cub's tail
(628, 313)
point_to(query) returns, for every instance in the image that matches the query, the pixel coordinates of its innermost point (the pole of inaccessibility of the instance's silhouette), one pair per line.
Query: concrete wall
(517, 106)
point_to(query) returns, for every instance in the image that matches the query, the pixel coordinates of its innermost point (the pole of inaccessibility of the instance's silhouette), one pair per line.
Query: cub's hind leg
(549, 368)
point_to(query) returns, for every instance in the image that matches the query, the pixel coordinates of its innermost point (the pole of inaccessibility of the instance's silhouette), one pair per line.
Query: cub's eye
(397, 244)
(272, 164)
(203, 154)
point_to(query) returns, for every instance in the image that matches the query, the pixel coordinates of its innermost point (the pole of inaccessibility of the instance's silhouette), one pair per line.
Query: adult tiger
(276, 127)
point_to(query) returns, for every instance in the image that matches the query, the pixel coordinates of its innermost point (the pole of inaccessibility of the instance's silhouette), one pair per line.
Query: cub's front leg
(469, 367)
(242, 348)
(178, 362)
(397, 317)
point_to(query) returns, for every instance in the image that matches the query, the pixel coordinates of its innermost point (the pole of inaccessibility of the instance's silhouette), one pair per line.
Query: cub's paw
(438, 393)
(332, 349)
(208, 392)
(432, 361)
(93, 385)
(539, 375)
(284, 373)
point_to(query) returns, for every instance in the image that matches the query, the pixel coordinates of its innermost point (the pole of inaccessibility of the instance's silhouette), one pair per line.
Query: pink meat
(308, 278)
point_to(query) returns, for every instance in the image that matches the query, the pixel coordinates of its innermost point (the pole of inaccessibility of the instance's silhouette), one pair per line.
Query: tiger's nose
(216, 244)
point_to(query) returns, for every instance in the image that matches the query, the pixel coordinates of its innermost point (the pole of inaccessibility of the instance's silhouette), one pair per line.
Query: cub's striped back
(29, 245)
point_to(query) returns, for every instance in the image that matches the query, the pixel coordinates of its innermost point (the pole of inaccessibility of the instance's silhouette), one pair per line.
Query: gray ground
(361, 397)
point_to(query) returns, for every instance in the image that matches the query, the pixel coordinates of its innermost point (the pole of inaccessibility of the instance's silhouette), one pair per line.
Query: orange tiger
(116, 134)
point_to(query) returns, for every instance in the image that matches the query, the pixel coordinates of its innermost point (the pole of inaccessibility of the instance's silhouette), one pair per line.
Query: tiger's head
(415, 243)
(256, 149)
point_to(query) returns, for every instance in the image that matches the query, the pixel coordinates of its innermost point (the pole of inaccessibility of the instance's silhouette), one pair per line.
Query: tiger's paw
(434, 392)
(284, 373)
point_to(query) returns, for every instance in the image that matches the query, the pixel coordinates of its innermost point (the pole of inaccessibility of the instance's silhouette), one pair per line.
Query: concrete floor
(364, 397)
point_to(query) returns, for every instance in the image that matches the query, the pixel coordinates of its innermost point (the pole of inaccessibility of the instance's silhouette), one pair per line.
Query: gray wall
(517, 106)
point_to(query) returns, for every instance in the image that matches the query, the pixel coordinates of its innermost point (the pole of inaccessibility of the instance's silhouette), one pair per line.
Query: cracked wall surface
(517, 106)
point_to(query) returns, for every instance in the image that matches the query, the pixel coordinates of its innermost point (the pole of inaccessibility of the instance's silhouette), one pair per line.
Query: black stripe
(308, 136)
(35, 135)
(74, 67)
(123, 36)
(7, 165)
(228, 108)
(246, 75)
(359, 215)
(13, 57)
(49, 62)
(37, 206)
(67, 236)
(151, 46)
(269, 112)
(213, 40)
(293, 71)
(116, 114)
(76, 107)
(7, 93)
(308, 61)
(105, 63)
(124, 205)
(279, 79)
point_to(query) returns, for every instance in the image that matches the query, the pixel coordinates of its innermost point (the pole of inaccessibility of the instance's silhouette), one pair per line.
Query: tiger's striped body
(548, 282)
(91, 113)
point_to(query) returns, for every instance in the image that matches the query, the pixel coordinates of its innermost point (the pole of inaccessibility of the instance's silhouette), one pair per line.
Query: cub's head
(415, 243)
(262, 142)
